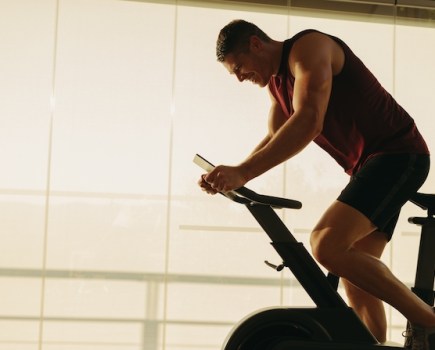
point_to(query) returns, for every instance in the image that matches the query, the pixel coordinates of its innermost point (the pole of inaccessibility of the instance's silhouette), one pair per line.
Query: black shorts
(383, 185)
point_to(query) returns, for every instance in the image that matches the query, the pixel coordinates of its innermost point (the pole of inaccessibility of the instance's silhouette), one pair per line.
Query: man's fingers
(211, 176)
(205, 186)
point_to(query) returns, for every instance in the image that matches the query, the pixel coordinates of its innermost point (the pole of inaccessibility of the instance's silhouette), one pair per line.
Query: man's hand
(222, 179)
(205, 186)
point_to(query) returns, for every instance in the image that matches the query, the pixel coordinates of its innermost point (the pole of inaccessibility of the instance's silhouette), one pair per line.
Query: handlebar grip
(244, 195)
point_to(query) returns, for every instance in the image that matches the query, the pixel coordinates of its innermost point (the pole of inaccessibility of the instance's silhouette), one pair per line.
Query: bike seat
(425, 201)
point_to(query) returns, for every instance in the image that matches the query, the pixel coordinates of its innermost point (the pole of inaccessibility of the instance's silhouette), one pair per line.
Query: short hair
(234, 38)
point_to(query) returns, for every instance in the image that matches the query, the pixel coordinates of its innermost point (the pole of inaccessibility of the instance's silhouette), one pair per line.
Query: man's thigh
(340, 227)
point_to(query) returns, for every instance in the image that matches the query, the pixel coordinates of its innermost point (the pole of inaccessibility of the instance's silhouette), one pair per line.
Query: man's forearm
(263, 143)
(295, 135)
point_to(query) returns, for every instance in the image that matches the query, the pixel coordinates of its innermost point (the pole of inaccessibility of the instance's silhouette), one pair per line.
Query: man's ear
(255, 43)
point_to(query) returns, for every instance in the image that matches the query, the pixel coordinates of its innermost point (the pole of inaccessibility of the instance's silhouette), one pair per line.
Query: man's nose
(241, 76)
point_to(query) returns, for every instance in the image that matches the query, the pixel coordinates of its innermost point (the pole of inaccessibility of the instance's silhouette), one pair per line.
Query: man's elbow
(317, 123)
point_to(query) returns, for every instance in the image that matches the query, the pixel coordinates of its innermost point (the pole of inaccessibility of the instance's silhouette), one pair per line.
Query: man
(321, 92)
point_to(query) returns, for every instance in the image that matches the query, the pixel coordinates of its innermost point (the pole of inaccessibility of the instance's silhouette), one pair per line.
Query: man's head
(235, 37)
(247, 52)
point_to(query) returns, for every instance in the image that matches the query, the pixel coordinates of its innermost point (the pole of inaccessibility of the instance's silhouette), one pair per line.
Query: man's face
(247, 66)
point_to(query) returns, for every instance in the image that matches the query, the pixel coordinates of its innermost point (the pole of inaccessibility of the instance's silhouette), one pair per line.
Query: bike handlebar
(244, 195)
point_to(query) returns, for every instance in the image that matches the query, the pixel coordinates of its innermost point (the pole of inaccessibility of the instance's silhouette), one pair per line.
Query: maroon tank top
(362, 119)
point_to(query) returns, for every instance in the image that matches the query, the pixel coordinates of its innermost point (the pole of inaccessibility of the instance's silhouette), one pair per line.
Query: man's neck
(276, 55)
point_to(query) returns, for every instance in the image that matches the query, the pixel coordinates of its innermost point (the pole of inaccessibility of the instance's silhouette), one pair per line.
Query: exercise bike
(332, 324)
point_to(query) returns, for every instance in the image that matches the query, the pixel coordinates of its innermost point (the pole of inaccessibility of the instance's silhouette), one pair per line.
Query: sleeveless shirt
(362, 119)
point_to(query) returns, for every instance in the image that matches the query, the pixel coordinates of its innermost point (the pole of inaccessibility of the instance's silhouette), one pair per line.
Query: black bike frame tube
(297, 258)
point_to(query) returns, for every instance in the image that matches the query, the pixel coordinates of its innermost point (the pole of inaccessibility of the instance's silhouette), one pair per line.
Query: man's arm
(276, 120)
(311, 64)
(312, 61)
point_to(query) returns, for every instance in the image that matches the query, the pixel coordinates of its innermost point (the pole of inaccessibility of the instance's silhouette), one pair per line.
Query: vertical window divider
(48, 182)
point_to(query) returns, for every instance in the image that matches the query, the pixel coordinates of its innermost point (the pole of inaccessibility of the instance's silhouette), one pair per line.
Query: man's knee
(337, 230)
(324, 250)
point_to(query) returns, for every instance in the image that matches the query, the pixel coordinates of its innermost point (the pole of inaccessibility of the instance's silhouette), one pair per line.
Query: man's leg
(332, 244)
(369, 308)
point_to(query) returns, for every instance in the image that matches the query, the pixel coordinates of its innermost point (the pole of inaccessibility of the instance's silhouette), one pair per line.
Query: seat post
(424, 277)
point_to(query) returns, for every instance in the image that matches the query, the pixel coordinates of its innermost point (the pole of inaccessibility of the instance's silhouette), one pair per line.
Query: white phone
(203, 163)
